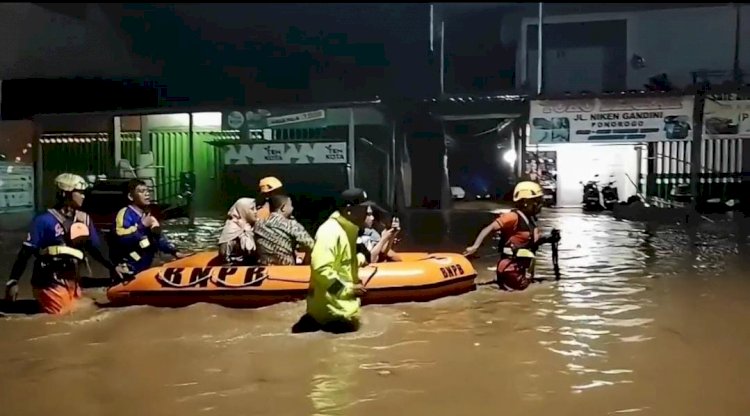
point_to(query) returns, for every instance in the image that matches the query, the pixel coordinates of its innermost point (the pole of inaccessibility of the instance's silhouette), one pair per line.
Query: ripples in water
(636, 307)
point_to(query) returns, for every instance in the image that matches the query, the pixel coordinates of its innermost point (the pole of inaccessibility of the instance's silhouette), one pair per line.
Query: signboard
(295, 118)
(608, 120)
(285, 153)
(726, 116)
(237, 120)
(16, 187)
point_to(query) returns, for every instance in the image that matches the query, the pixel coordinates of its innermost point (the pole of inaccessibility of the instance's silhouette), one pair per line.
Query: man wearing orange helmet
(268, 186)
(519, 237)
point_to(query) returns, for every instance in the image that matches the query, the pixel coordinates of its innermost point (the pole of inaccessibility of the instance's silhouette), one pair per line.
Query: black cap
(353, 196)
(357, 197)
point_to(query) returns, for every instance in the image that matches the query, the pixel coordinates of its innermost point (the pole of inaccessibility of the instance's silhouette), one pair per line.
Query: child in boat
(378, 246)
(237, 241)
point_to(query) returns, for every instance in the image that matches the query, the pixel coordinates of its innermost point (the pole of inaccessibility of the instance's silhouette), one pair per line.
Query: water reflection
(637, 306)
(598, 302)
(330, 390)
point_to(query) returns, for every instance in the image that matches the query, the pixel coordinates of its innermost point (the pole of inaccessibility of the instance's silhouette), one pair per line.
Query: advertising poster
(608, 120)
(261, 119)
(726, 116)
(286, 153)
(16, 187)
(16, 167)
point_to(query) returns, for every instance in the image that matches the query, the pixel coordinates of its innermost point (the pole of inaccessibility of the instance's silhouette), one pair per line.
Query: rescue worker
(137, 237)
(268, 187)
(519, 237)
(333, 300)
(57, 239)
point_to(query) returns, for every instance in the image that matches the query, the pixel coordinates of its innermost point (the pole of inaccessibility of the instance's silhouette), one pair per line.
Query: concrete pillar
(117, 139)
(695, 148)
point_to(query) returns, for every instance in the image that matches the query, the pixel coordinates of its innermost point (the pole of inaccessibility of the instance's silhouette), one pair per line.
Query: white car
(458, 192)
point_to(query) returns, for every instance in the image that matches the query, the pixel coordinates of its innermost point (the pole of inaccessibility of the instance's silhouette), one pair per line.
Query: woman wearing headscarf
(236, 243)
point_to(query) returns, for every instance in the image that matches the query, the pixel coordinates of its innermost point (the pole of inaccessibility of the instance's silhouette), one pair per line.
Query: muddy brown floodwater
(645, 321)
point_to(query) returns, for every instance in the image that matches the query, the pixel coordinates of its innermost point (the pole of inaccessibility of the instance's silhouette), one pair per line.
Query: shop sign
(295, 118)
(726, 116)
(237, 120)
(611, 120)
(285, 153)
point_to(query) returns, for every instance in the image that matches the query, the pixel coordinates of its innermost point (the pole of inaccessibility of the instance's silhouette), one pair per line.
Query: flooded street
(646, 320)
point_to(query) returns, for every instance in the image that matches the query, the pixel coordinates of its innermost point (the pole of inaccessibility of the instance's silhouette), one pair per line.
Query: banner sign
(726, 116)
(16, 187)
(285, 153)
(236, 120)
(611, 120)
(295, 118)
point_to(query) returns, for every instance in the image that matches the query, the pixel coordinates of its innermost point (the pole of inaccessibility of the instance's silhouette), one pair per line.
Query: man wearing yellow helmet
(519, 237)
(57, 239)
(268, 186)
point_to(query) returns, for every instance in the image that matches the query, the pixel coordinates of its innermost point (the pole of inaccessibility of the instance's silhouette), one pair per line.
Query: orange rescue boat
(200, 278)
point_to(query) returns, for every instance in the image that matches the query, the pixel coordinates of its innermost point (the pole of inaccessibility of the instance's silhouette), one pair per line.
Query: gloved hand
(554, 236)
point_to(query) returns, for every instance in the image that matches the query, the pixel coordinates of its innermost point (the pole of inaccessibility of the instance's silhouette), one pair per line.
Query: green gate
(80, 153)
(173, 156)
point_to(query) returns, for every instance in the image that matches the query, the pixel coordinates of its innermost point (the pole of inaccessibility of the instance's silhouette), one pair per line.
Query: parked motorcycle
(591, 201)
(549, 187)
(609, 194)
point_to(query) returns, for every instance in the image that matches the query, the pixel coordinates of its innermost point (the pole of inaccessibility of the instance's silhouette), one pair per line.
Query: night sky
(247, 54)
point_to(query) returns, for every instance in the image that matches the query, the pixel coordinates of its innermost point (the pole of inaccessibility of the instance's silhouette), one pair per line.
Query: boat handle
(375, 270)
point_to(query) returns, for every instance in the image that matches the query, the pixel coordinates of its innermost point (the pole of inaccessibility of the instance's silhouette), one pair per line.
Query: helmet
(527, 190)
(69, 182)
(269, 183)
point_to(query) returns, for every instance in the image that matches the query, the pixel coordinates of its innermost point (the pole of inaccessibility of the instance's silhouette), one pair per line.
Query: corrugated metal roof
(616, 94)
(477, 98)
(215, 108)
(470, 106)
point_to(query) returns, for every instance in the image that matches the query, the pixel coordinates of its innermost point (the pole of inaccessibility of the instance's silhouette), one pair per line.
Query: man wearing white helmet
(57, 239)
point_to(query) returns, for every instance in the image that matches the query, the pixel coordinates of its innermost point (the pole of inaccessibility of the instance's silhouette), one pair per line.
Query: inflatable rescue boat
(200, 278)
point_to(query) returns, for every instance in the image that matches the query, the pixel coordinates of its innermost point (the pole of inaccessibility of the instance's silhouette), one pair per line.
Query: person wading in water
(519, 237)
